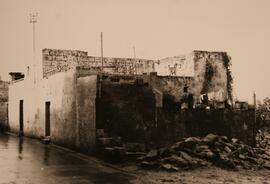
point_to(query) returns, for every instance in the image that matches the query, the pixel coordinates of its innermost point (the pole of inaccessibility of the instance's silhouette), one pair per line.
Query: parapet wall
(198, 73)
(55, 61)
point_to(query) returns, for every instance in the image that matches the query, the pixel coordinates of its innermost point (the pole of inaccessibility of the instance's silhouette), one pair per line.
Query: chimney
(16, 76)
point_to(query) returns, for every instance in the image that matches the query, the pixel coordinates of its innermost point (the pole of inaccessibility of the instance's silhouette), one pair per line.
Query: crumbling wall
(3, 116)
(3, 105)
(55, 61)
(211, 77)
(173, 86)
(177, 66)
(174, 125)
(121, 66)
(126, 108)
(201, 72)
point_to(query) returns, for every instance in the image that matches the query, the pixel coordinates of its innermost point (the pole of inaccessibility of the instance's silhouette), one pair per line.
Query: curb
(77, 154)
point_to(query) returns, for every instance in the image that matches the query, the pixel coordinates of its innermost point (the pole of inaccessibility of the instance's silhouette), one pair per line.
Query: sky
(156, 28)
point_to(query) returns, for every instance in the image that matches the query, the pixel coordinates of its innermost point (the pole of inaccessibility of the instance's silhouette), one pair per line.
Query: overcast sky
(157, 29)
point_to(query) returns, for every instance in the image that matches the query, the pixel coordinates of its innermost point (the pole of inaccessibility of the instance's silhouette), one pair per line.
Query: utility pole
(101, 40)
(134, 55)
(134, 52)
(254, 126)
(33, 20)
(101, 47)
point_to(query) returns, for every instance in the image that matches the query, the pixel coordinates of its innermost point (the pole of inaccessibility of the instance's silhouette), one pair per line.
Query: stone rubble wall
(201, 72)
(55, 61)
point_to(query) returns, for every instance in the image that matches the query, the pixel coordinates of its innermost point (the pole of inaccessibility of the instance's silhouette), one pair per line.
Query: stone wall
(200, 72)
(210, 77)
(55, 61)
(3, 91)
(173, 125)
(131, 107)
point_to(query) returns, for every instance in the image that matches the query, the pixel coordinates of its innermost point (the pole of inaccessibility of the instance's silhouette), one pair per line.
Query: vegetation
(263, 113)
(227, 65)
(209, 73)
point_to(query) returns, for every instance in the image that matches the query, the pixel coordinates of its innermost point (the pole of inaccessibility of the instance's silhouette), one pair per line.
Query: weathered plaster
(63, 92)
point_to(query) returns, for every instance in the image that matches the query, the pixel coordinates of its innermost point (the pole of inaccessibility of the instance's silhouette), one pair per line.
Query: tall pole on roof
(134, 52)
(101, 40)
(254, 126)
(101, 47)
(33, 20)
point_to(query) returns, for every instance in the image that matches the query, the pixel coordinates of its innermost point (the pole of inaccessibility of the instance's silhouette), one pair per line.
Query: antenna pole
(33, 20)
(101, 40)
(254, 126)
(134, 54)
(101, 48)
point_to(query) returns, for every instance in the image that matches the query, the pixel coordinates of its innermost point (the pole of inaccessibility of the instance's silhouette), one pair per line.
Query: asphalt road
(28, 161)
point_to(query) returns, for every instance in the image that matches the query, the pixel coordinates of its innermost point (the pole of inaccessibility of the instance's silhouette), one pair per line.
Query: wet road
(28, 161)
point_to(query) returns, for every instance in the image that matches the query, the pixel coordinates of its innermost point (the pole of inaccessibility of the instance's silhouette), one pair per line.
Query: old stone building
(197, 73)
(73, 99)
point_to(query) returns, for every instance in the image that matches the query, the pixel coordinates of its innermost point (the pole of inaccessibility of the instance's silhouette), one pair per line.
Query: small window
(185, 89)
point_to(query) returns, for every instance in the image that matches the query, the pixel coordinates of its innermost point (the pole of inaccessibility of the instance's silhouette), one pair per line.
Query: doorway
(47, 119)
(21, 118)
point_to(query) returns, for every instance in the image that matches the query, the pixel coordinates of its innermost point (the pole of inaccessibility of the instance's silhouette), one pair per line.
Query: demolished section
(198, 74)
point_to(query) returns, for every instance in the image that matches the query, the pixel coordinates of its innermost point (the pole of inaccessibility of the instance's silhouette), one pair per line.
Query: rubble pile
(193, 152)
(263, 139)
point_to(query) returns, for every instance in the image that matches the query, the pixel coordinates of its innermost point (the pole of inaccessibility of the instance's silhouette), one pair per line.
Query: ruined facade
(197, 73)
(70, 101)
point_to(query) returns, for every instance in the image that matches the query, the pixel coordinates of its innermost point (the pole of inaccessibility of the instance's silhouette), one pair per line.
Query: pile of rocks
(263, 138)
(194, 152)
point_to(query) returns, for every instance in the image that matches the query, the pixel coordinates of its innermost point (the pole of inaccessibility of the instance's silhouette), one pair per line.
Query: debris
(234, 140)
(134, 147)
(193, 152)
(227, 149)
(46, 140)
(210, 138)
(152, 155)
(169, 167)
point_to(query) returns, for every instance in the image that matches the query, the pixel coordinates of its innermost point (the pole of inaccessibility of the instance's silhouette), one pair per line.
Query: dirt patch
(210, 175)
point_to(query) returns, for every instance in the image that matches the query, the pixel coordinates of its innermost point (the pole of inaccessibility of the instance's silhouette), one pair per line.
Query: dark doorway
(47, 119)
(21, 117)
